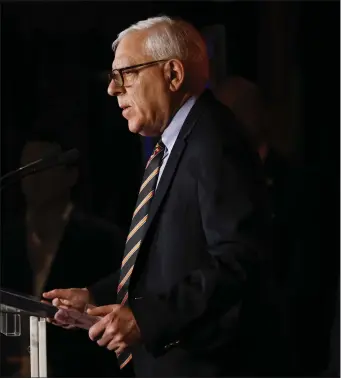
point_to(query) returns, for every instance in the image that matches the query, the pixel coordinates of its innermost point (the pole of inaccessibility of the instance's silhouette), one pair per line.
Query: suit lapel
(174, 159)
(166, 179)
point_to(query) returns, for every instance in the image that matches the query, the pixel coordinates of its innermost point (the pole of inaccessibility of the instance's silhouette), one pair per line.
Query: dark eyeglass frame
(111, 76)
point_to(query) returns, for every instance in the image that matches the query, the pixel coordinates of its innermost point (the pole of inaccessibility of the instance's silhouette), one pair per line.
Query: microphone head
(67, 158)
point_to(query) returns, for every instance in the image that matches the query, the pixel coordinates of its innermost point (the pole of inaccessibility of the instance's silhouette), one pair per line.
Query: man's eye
(129, 73)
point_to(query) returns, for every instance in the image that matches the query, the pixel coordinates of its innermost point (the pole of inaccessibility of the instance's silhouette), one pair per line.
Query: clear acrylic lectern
(14, 305)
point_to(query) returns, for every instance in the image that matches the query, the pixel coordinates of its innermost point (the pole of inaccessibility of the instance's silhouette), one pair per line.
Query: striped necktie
(136, 232)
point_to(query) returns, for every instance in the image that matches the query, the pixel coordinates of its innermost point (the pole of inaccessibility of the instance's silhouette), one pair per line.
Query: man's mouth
(125, 110)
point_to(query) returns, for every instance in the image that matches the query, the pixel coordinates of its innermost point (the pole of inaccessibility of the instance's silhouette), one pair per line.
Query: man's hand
(74, 319)
(76, 298)
(71, 298)
(116, 330)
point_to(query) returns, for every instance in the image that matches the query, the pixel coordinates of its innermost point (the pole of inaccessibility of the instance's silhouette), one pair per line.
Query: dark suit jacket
(90, 249)
(201, 257)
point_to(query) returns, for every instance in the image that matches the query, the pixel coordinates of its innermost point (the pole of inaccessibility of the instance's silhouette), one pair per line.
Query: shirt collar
(172, 131)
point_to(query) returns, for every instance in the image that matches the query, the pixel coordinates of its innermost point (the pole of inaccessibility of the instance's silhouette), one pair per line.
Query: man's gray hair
(174, 39)
(171, 38)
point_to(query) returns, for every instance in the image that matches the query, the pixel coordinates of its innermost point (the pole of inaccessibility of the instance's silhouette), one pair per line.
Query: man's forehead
(130, 50)
(123, 61)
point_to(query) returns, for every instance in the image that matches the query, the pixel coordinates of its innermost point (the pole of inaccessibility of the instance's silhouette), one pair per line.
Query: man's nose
(114, 90)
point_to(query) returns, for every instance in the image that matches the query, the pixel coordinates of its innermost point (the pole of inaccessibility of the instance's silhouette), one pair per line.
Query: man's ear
(175, 74)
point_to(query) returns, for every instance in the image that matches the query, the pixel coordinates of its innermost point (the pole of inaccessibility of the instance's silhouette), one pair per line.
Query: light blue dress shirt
(172, 131)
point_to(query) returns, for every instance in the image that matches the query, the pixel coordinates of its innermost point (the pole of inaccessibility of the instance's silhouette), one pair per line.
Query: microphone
(51, 160)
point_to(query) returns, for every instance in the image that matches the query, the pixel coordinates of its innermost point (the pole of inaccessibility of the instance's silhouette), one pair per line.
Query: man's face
(145, 99)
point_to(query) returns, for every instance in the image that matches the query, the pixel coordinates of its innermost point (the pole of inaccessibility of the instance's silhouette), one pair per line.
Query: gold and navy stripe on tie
(136, 231)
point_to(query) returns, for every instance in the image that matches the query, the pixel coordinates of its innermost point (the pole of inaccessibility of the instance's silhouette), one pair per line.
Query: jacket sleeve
(234, 213)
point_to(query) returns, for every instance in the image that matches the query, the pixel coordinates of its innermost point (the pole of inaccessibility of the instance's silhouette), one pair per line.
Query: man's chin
(143, 131)
(137, 128)
(133, 128)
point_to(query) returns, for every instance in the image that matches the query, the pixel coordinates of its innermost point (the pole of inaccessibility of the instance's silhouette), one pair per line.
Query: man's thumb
(101, 311)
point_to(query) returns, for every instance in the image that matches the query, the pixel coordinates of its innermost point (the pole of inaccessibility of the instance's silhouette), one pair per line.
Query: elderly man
(198, 234)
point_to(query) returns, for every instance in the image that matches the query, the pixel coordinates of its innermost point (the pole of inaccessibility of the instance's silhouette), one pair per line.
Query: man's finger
(48, 319)
(57, 293)
(104, 339)
(103, 310)
(89, 306)
(62, 306)
(64, 302)
(63, 317)
(97, 330)
(116, 344)
(59, 303)
(118, 347)
(118, 351)
(56, 302)
(69, 327)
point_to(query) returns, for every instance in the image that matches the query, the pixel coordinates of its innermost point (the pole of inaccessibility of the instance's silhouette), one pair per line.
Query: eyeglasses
(125, 76)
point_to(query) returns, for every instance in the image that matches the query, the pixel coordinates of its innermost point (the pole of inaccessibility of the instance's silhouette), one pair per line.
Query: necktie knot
(160, 146)
(158, 149)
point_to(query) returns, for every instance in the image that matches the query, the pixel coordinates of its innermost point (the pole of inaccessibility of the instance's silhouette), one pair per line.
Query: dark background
(53, 56)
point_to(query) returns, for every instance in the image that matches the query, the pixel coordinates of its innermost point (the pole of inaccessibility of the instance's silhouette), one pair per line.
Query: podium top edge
(25, 303)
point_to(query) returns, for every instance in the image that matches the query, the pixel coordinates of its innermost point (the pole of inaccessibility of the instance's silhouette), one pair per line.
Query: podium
(12, 306)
